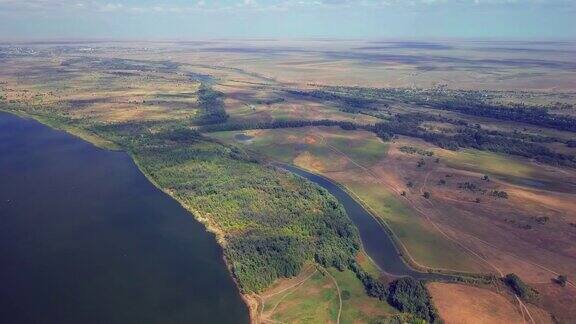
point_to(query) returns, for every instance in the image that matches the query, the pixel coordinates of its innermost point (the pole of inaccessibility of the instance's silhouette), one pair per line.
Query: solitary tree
(561, 280)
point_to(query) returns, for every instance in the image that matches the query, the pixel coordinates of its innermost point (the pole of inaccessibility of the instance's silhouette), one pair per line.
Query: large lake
(86, 238)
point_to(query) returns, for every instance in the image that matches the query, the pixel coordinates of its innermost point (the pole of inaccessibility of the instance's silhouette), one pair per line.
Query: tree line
(469, 102)
(464, 136)
(211, 103)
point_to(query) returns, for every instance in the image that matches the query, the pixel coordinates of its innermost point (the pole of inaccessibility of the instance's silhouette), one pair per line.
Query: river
(86, 238)
(375, 238)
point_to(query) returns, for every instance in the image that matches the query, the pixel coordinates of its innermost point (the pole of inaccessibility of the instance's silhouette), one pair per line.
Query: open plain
(463, 150)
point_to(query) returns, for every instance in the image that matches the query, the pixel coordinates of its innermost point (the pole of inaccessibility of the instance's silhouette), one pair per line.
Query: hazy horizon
(279, 19)
(96, 40)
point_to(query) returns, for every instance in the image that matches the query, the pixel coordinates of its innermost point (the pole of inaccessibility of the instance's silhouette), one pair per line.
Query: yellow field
(460, 304)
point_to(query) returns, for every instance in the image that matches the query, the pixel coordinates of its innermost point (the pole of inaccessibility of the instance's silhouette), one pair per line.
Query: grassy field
(424, 244)
(288, 145)
(486, 162)
(356, 307)
(314, 297)
(509, 169)
(457, 63)
(124, 97)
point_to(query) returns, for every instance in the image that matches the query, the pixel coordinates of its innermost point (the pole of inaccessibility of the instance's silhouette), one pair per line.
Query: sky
(205, 19)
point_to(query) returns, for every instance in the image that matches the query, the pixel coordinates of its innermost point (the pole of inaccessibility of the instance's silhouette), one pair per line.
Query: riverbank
(113, 228)
(250, 302)
(105, 144)
(84, 135)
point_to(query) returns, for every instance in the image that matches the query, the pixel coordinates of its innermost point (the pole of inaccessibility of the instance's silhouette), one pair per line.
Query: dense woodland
(211, 104)
(284, 123)
(409, 295)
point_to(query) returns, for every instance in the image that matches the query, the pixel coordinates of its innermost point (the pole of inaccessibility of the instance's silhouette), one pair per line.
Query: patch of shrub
(345, 295)
(211, 103)
(561, 280)
(499, 194)
(520, 288)
(415, 150)
(409, 295)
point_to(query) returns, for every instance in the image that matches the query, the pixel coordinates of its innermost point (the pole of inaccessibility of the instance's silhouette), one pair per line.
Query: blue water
(86, 238)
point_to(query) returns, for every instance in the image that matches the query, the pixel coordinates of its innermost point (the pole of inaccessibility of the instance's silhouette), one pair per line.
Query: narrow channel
(375, 238)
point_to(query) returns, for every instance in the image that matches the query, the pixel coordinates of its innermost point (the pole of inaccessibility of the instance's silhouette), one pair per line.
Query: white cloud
(173, 7)
(109, 7)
